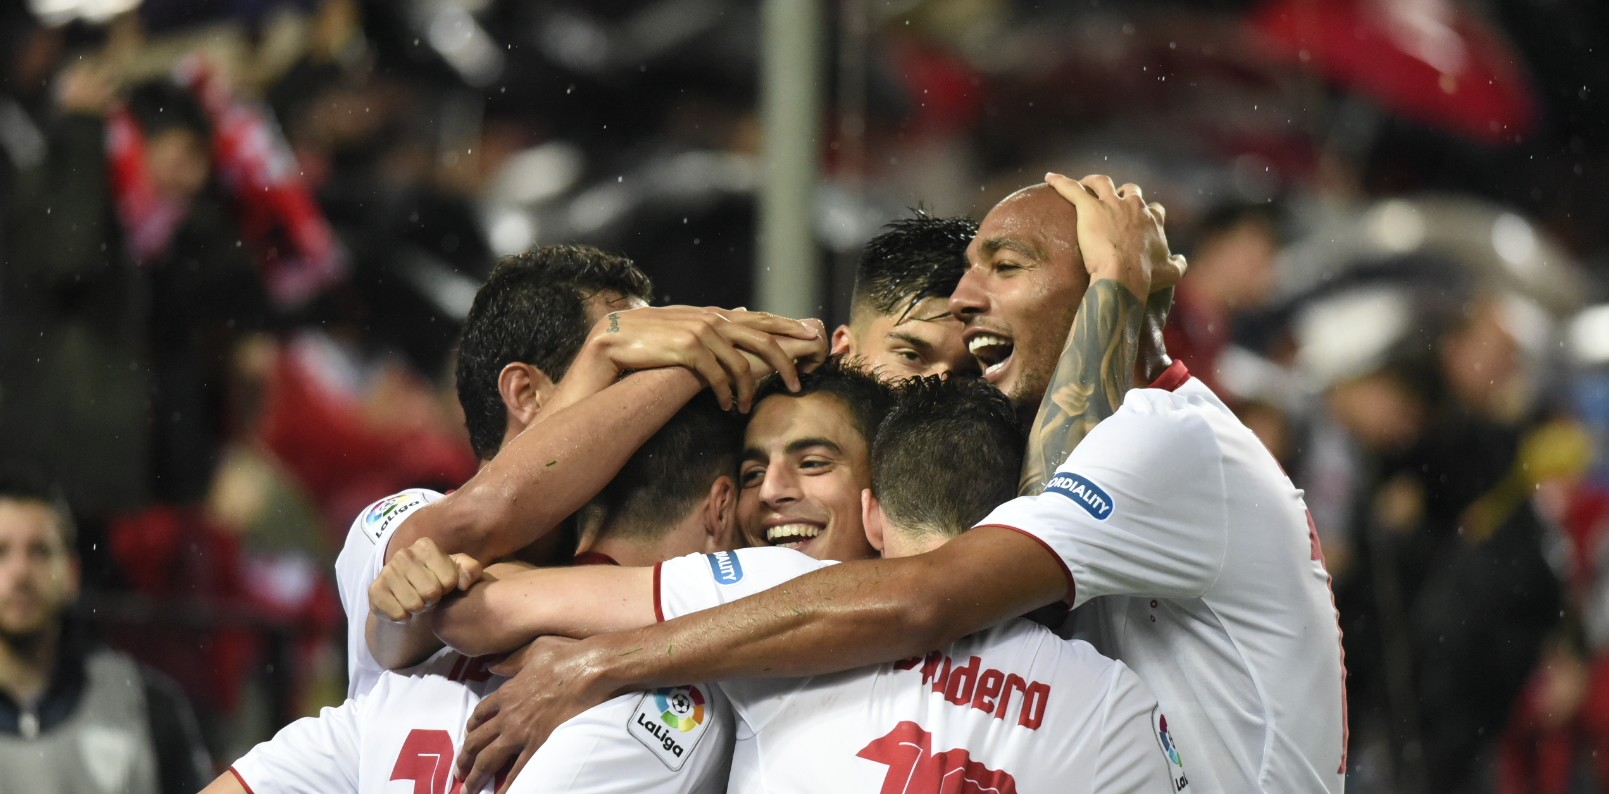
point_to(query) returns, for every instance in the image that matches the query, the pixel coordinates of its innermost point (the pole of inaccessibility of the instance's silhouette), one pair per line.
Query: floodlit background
(242, 234)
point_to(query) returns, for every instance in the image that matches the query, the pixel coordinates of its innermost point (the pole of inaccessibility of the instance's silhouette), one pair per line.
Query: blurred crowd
(238, 238)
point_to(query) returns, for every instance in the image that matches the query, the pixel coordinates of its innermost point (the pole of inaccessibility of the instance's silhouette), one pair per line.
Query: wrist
(1131, 277)
(603, 672)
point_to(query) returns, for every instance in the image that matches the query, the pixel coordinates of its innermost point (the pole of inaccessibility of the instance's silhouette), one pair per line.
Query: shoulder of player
(1043, 643)
(373, 521)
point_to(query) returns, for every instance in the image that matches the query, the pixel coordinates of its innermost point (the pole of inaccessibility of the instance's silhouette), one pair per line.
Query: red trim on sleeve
(1173, 377)
(659, 607)
(243, 783)
(1072, 586)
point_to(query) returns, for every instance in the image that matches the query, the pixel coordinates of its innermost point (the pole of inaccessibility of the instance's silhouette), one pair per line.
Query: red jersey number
(914, 767)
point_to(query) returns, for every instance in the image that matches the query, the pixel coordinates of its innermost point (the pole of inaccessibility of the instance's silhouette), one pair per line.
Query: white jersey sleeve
(1139, 506)
(701, 581)
(313, 755)
(356, 568)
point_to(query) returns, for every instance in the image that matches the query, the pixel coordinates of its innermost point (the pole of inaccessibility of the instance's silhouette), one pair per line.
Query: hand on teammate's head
(730, 349)
(1119, 235)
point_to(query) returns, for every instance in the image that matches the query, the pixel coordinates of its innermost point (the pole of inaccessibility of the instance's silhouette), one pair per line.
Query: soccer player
(1010, 708)
(900, 323)
(1215, 588)
(806, 457)
(526, 353)
(675, 496)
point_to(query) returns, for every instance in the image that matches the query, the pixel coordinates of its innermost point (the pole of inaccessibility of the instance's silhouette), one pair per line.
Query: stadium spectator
(74, 717)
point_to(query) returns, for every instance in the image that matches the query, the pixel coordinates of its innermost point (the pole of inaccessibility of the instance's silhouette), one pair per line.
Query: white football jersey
(358, 565)
(410, 726)
(1190, 557)
(1013, 708)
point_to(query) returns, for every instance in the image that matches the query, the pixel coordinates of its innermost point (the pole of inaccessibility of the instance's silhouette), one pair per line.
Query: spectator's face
(1024, 280)
(804, 466)
(178, 163)
(924, 341)
(37, 575)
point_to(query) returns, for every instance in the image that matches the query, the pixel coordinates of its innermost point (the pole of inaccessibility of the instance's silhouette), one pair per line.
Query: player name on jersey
(983, 688)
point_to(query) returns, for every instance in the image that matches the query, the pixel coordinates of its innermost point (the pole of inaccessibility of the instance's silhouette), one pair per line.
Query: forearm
(1095, 370)
(553, 468)
(839, 618)
(398, 645)
(1153, 355)
(513, 605)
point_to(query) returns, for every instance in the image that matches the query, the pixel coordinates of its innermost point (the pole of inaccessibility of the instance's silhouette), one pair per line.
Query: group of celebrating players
(825, 589)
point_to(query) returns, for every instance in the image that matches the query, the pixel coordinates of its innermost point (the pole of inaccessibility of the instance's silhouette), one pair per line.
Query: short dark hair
(946, 455)
(25, 485)
(672, 471)
(914, 259)
(533, 310)
(867, 398)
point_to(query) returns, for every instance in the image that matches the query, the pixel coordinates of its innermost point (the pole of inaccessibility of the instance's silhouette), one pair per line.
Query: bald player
(1215, 588)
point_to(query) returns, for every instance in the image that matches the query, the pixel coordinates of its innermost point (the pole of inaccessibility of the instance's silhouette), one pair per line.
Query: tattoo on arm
(1095, 370)
(614, 324)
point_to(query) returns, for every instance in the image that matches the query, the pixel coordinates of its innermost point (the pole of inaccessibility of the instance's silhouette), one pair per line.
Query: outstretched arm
(514, 604)
(569, 454)
(838, 618)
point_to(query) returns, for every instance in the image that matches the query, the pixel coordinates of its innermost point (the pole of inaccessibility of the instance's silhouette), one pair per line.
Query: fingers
(1159, 211)
(469, 570)
(767, 350)
(1070, 189)
(478, 734)
(1101, 185)
(770, 323)
(1165, 277)
(737, 372)
(519, 764)
(1130, 191)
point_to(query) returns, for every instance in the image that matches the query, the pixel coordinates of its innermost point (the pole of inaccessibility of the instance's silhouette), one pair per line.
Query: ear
(524, 389)
(720, 516)
(843, 341)
(871, 517)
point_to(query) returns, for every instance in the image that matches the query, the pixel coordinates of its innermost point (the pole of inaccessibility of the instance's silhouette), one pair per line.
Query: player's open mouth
(993, 353)
(792, 536)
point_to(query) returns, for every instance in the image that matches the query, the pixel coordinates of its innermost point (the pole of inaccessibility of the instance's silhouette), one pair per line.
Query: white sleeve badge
(670, 721)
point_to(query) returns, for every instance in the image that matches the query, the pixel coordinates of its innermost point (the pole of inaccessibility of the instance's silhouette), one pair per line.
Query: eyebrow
(994, 244)
(793, 448)
(909, 339)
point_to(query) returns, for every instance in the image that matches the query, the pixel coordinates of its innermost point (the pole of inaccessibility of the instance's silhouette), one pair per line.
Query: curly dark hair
(533, 310)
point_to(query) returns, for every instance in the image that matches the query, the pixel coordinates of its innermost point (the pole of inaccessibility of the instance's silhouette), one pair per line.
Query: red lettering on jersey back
(913, 767)
(984, 688)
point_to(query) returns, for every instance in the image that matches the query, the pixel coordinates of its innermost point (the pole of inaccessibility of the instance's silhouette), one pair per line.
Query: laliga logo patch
(382, 514)
(1159, 722)
(726, 567)
(1083, 492)
(669, 722)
